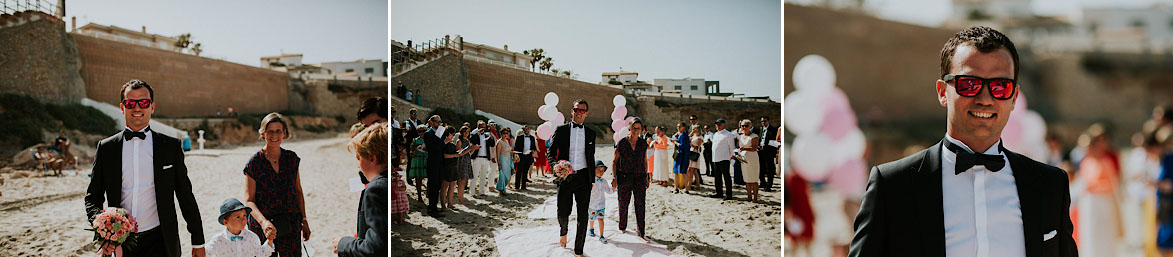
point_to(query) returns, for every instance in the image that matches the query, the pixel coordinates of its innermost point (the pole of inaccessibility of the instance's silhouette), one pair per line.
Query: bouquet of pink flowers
(562, 171)
(112, 229)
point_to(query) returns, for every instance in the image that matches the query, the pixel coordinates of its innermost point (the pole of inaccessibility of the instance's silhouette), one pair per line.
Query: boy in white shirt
(236, 239)
(598, 204)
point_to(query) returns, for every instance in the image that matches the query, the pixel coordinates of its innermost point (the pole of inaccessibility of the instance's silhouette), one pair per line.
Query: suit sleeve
(187, 201)
(374, 241)
(1067, 246)
(96, 191)
(870, 226)
(552, 151)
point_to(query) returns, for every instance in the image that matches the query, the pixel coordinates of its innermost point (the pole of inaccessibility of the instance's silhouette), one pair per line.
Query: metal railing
(694, 99)
(12, 7)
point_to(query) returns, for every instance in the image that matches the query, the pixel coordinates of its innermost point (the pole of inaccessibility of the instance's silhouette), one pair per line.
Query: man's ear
(942, 98)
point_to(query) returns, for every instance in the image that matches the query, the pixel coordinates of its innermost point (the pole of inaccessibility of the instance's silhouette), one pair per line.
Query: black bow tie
(966, 160)
(127, 135)
(575, 125)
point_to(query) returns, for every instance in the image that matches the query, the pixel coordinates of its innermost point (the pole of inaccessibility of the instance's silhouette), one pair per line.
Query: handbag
(694, 157)
(283, 223)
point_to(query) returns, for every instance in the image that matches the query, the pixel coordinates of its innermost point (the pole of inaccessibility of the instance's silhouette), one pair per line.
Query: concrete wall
(443, 83)
(342, 103)
(39, 59)
(185, 85)
(516, 94)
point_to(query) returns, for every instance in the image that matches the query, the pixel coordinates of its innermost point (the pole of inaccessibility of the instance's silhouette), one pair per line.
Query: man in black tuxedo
(767, 154)
(142, 171)
(435, 147)
(524, 147)
(575, 143)
(968, 195)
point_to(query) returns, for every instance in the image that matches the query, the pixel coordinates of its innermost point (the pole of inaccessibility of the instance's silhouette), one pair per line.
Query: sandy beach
(688, 224)
(47, 217)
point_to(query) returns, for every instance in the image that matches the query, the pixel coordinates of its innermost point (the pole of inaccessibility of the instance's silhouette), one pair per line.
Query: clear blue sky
(244, 31)
(736, 42)
(932, 13)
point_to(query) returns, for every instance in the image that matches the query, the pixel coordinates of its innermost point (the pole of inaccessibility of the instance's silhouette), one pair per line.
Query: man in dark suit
(142, 171)
(968, 195)
(435, 146)
(767, 154)
(575, 143)
(524, 148)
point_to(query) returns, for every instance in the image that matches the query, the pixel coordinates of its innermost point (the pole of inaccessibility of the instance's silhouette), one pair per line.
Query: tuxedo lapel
(1029, 202)
(932, 211)
(114, 173)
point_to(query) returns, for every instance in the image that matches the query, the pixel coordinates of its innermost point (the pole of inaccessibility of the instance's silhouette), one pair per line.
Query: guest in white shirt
(723, 147)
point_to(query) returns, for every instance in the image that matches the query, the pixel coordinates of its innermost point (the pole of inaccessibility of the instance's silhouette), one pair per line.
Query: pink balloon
(545, 131)
(850, 178)
(558, 119)
(1012, 134)
(618, 125)
(619, 112)
(838, 117)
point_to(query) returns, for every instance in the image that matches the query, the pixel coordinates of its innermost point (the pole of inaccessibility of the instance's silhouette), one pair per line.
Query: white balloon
(542, 112)
(851, 146)
(551, 99)
(814, 73)
(619, 100)
(551, 113)
(811, 155)
(804, 113)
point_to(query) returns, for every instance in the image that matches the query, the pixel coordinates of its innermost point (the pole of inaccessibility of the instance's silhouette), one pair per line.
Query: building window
(694, 88)
(349, 70)
(372, 70)
(677, 87)
(509, 59)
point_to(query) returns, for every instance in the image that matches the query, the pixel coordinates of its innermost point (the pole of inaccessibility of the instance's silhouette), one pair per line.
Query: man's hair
(412, 111)
(692, 116)
(270, 118)
(581, 101)
(371, 142)
(376, 105)
(982, 38)
(434, 117)
(132, 85)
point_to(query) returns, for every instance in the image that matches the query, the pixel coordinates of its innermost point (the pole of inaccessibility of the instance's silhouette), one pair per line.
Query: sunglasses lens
(144, 103)
(1002, 89)
(968, 86)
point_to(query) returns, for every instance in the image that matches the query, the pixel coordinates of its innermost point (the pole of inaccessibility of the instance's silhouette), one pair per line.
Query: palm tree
(536, 55)
(183, 41)
(196, 49)
(547, 63)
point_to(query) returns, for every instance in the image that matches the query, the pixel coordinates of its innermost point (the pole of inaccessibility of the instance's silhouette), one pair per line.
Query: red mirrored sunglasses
(970, 86)
(142, 103)
(579, 111)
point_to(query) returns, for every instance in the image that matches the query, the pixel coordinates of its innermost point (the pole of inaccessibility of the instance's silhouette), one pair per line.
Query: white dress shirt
(723, 147)
(577, 147)
(247, 245)
(483, 137)
(138, 181)
(983, 216)
(525, 147)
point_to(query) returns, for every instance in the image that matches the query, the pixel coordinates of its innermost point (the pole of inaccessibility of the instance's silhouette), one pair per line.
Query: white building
(621, 77)
(1130, 29)
(141, 38)
(687, 86)
(361, 68)
(283, 60)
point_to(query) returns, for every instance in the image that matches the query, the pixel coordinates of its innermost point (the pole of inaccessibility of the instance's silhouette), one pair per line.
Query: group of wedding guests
(749, 151)
(446, 161)
(136, 169)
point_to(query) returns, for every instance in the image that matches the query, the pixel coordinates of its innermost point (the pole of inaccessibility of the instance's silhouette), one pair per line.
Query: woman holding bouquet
(748, 145)
(629, 174)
